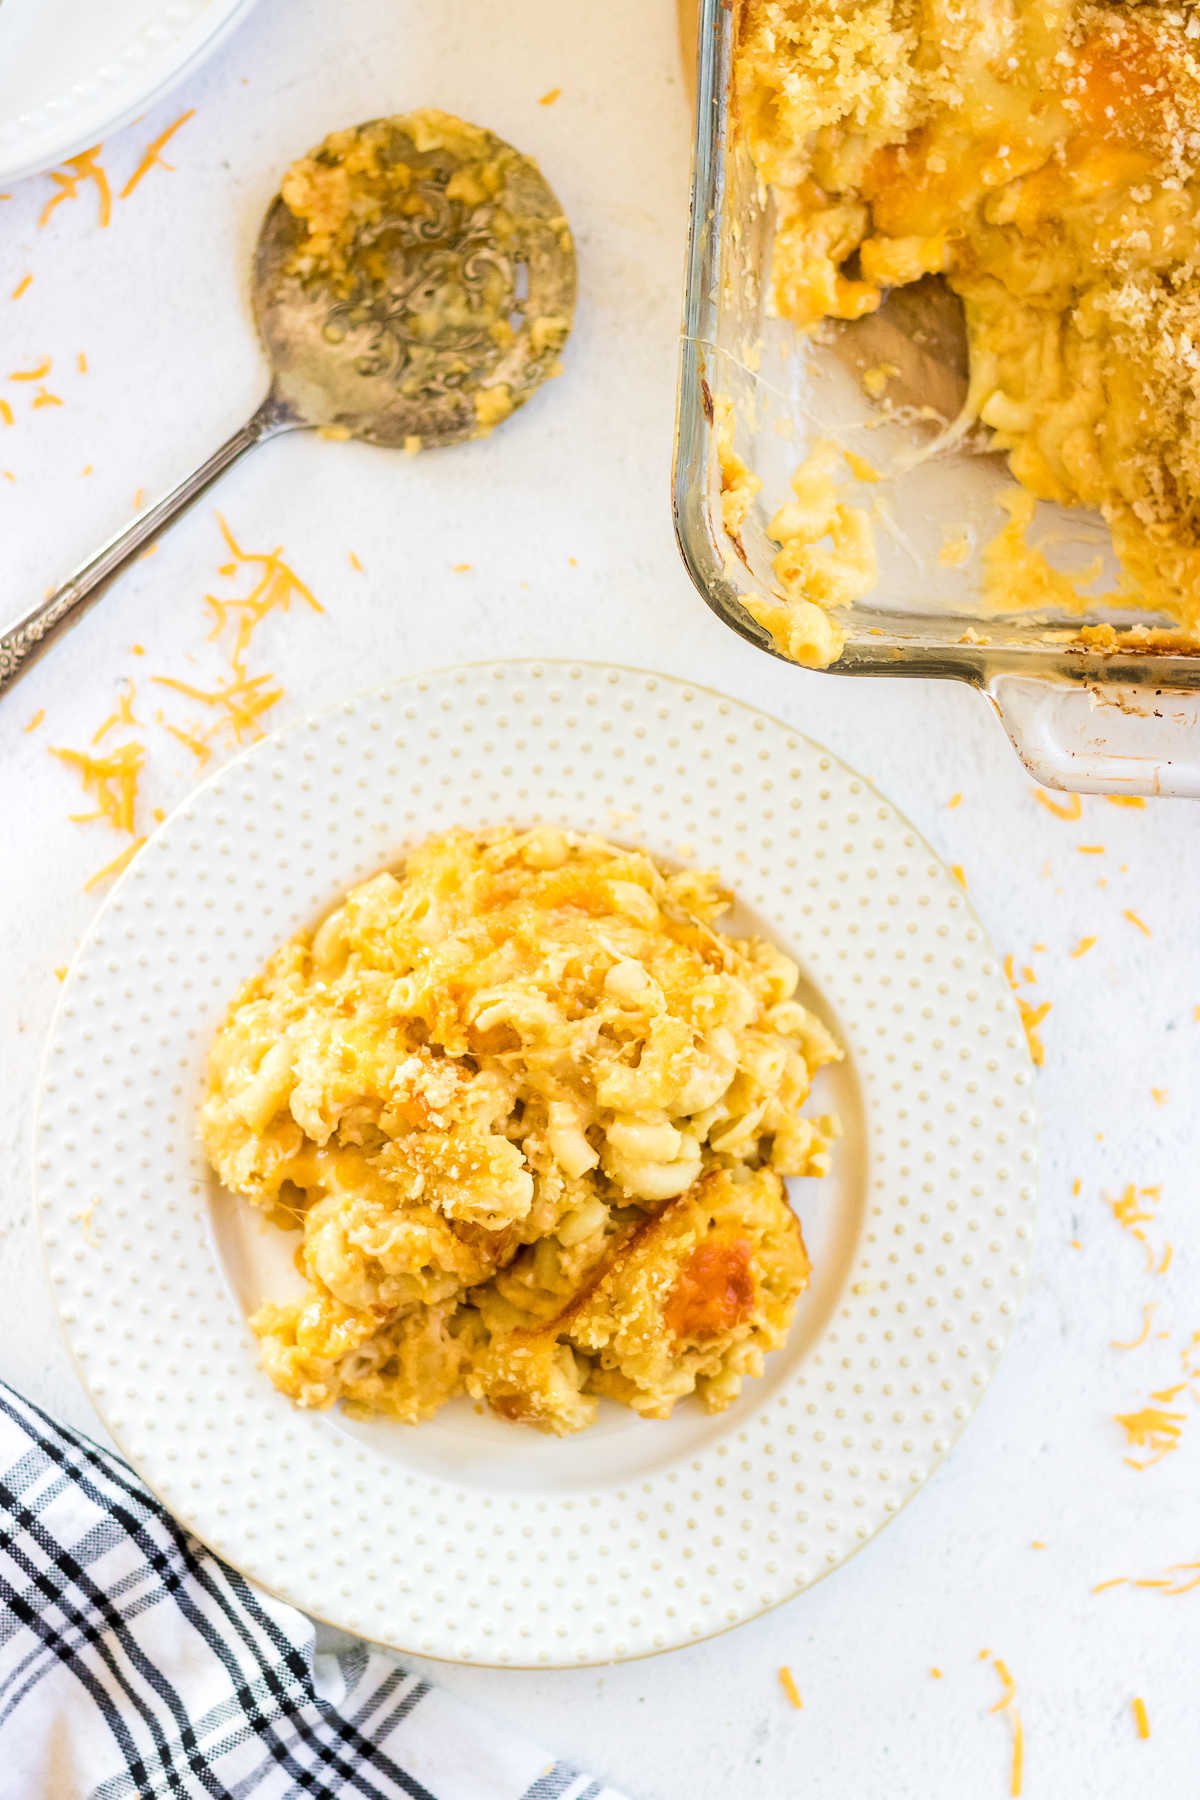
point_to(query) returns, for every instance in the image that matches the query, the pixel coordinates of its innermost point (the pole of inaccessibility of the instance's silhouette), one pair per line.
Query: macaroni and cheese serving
(531, 1111)
(1043, 156)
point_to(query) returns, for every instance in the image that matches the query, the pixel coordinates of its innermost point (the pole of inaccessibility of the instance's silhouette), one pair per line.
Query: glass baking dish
(1113, 720)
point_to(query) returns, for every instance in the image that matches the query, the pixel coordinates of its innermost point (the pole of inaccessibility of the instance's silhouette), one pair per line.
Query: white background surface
(158, 302)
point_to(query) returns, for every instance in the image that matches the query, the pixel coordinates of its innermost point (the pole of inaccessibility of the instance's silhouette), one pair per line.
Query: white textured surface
(469, 1539)
(582, 473)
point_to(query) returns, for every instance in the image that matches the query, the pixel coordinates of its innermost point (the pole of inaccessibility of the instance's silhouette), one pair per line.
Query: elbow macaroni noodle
(531, 1112)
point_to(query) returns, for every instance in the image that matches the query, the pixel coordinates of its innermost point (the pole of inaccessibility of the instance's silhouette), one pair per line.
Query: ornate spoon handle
(21, 642)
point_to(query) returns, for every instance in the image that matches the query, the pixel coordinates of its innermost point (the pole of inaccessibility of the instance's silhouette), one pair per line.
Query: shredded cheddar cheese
(241, 702)
(1070, 810)
(36, 720)
(122, 716)
(1140, 1719)
(6, 412)
(1007, 1705)
(111, 780)
(76, 169)
(35, 374)
(1125, 800)
(199, 749)
(956, 869)
(1160, 1096)
(789, 1687)
(1180, 1578)
(153, 154)
(23, 286)
(1090, 849)
(1140, 923)
(44, 397)
(234, 702)
(355, 563)
(116, 866)
(274, 590)
(1143, 1334)
(550, 97)
(953, 801)
(1082, 947)
(936, 1673)
(1031, 1016)
(1152, 1429)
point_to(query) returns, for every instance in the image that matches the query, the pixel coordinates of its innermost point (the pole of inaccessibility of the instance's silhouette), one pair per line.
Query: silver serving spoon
(445, 302)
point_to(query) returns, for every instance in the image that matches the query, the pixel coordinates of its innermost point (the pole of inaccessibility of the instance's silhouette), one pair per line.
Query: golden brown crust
(504, 1093)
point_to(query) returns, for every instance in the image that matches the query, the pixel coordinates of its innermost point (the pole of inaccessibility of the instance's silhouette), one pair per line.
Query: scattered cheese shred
(111, 780)
(116, 866)
(1140, 923)
(459, 568)
(550, 97)
(243, 702)
(936, 1673)
(153, 154)
(1143, 1334)
(6, 412)
(83, 167)
(1125, 800)
(1160, 1096)
(1070, 810)
(1140, 1719)
(1164, 1265)
(1031, 1018)
(36, 720)
(1007, 1704)
(36, 374)
(1038, 1544)
(1082, 947)
(276, 585)
(23, 286)
(1152, 1429)
(44, 397)
(953, 801)
(122, 716)
(60, 973)
(199, 749)
(956, 869)
(82, 362)
(355, 563)
(789, 1687)
(1077, 1186)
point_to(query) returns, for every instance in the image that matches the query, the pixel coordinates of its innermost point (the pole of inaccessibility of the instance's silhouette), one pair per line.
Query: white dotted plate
(469, 1538)
(74, 72)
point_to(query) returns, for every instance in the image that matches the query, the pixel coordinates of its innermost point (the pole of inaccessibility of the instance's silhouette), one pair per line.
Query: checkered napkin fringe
(134, 1664)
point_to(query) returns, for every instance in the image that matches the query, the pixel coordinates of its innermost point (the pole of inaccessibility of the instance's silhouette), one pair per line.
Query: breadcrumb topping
(1046, 161)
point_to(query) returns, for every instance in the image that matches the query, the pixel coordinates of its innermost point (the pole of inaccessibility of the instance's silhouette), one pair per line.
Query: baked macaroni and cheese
(531, 1111)
(1043, 157)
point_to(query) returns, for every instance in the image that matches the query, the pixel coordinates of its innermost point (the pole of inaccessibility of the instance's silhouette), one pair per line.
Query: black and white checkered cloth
(134, 1664)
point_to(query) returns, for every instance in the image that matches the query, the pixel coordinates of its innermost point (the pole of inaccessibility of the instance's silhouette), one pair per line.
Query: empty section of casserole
(1044, 160)
(531, 1112)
